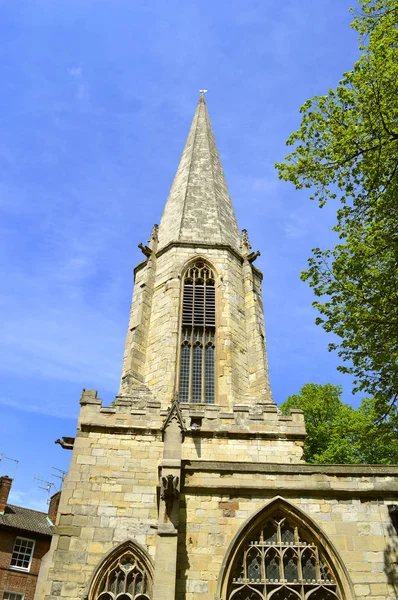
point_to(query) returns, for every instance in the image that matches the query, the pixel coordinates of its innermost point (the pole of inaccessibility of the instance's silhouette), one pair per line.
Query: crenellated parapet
(279, 438)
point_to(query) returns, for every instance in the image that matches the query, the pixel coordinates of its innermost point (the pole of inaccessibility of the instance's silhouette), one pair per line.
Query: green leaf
(346, 151)
(337, 433)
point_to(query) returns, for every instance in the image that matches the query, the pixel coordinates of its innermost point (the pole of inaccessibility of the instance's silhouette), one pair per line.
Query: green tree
(377, 442)
(339, 434)
(347, 149)
(328, 422)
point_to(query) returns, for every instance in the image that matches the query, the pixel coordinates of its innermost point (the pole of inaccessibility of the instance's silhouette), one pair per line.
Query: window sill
(20, 569)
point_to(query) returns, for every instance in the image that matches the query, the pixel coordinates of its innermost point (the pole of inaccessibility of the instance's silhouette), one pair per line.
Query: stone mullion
(177, 376)
(262, 566)
(190, 397)
(317, 565)
(300, 568)
(279, 547)
(202, 383)
(203, 386)
(281, 563)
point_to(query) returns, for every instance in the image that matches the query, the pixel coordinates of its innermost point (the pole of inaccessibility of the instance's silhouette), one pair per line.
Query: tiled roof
(26, 519)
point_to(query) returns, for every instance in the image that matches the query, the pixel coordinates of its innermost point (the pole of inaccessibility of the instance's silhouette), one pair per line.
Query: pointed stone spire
(199, 208)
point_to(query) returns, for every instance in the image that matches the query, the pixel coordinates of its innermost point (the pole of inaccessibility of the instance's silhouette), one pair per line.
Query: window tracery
(125, 578)
(282, 562)
(197, 351)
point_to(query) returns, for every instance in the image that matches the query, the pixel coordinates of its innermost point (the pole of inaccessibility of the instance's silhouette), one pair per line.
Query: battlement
(210, 432)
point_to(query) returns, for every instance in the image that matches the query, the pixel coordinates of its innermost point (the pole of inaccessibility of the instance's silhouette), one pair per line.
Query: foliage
(339, 434)
(347, 149)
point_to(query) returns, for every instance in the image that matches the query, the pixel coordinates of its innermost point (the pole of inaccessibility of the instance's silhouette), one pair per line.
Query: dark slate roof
(26, 519)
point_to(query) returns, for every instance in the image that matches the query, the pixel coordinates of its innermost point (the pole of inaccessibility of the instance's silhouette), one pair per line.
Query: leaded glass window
(197, 350)
(282, 562)
(126, 578)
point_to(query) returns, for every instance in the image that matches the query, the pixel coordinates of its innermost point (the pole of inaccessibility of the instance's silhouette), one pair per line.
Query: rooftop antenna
(47, 485)
(61, 476)
(2, 458)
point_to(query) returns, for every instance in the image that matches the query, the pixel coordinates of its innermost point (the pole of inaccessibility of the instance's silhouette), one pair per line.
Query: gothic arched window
(198, 325)
(281, 561)
(124, 575)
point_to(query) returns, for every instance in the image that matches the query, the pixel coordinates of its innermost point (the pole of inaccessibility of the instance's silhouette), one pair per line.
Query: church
(191, 484)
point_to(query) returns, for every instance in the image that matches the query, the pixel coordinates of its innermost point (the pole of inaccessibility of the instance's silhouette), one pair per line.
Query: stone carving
(244, 242)
(175, 413)
(169, 491)
(66, 442)
(152, 242)
(146, 250)
(153, 238)
(245, 247)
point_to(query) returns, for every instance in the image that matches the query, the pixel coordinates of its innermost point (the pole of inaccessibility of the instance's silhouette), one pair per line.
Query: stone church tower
(191, 484)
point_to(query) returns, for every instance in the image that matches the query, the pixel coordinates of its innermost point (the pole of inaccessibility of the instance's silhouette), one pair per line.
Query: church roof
(199, 208)
(26, 519)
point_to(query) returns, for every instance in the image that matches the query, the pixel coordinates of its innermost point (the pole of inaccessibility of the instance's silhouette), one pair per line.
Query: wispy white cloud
(62, 305)
(75, 72)
(51, 408)
(59, 335)
(295, 226)
(32, 498)
(82, 93)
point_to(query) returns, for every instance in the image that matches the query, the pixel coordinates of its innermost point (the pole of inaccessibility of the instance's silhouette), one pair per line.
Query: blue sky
(96, 99)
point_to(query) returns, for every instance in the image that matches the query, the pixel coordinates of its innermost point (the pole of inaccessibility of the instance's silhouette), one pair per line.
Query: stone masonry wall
(243, 450)
(109, 495)
(231, 467)
(359, 531)
(240, 327)
(136, 340)
(214, 506)
(111, 491)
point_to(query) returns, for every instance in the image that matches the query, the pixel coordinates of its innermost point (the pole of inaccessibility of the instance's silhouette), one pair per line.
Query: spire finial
(244, 242)
(245, 247)
(202, 95)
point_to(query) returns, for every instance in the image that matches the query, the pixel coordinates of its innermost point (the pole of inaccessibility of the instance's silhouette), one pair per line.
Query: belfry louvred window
(198, 335)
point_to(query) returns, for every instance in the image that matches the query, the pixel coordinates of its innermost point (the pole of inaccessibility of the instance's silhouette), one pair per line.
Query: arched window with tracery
(281, 561)
(198, 329)
(124, 575)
